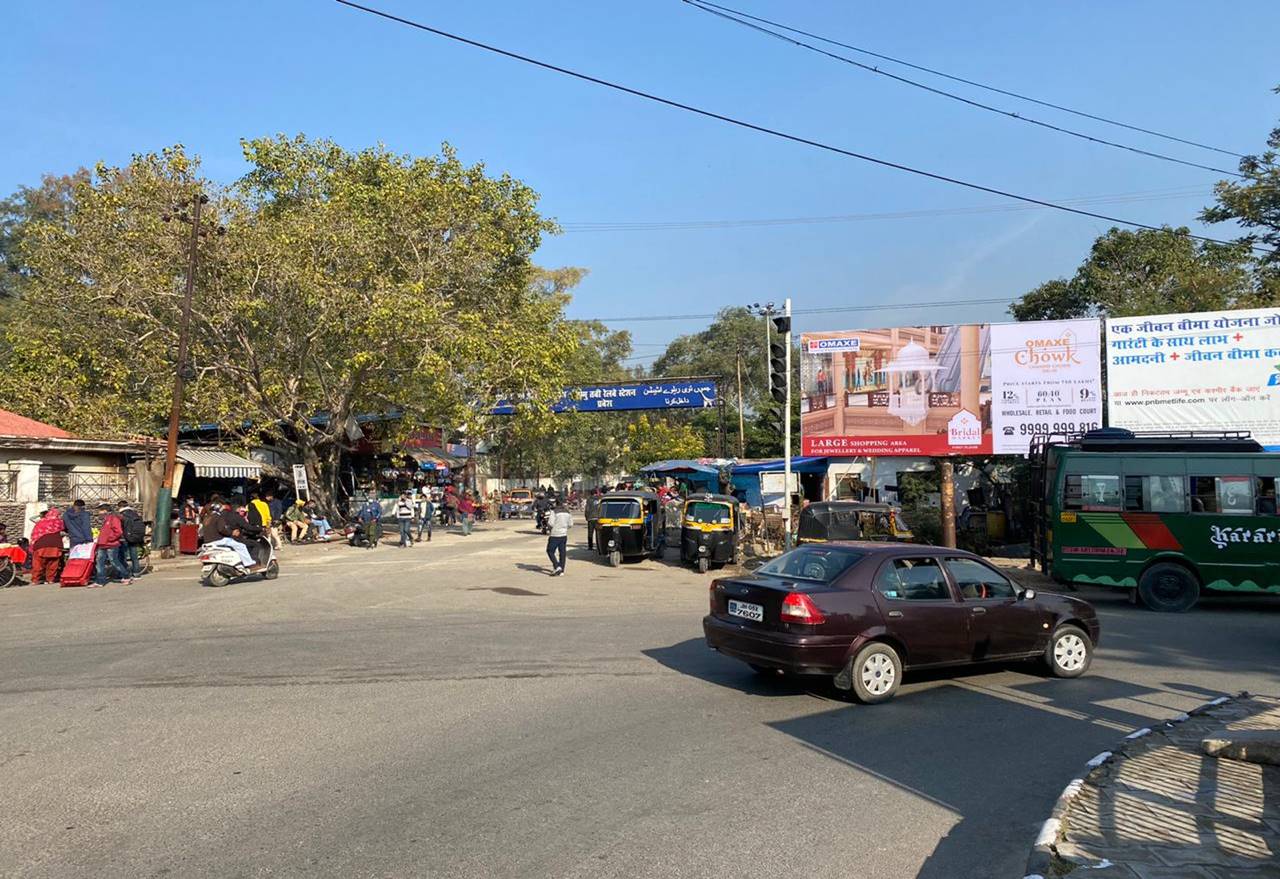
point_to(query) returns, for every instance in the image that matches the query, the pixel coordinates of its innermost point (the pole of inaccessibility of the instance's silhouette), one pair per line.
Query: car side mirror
(1027, 594)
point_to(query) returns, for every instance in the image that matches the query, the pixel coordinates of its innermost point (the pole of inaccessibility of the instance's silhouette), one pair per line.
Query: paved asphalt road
(451, 711)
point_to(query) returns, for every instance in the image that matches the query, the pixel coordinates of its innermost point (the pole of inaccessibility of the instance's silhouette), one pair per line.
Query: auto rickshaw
(710, 528)
(630, 525)
(851, 520)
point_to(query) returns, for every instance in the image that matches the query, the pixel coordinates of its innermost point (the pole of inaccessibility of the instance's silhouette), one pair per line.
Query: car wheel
(1069, 652)
(1168, 588)
(876, 673)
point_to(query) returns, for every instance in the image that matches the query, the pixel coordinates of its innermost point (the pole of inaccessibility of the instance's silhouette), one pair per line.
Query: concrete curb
(1043, 851)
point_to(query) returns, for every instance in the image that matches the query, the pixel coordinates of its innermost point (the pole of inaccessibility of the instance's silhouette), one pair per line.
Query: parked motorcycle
(219, 565)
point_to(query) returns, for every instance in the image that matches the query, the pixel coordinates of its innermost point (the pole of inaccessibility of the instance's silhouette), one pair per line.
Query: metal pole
(160, 536)
(786, 432)
(742, 430)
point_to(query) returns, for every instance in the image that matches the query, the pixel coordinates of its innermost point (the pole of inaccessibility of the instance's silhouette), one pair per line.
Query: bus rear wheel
(1168, 588)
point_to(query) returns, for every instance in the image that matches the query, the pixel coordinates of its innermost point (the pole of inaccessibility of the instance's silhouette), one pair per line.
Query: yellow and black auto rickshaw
(630, 525)
(710, 528)
(851, 520)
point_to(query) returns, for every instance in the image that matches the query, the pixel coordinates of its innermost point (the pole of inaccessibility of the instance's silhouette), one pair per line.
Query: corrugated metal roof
(211, 463)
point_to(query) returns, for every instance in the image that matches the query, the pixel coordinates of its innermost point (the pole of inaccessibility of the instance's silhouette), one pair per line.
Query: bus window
(1229, 495)
(1081, 492)
(1266, 495)
(1154, 494)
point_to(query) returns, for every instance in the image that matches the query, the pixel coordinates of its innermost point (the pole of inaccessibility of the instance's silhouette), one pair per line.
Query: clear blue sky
(89, 81)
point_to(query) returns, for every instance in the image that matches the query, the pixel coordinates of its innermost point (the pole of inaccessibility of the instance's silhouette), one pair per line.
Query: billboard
(1046, 377)
(899, 391)
(1213, 370)
(660, 394)
(969, 389)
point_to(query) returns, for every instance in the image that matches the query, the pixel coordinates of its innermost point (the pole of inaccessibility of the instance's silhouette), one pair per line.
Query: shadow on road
(995, 753)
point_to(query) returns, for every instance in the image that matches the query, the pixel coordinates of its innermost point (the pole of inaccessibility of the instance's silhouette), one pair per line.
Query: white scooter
(219, 565)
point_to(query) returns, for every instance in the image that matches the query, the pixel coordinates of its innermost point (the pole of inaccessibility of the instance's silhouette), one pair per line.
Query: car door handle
(979, 610)
(895, 614)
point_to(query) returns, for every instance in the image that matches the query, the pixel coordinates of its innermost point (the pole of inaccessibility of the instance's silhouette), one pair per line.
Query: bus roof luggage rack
(1117, 439)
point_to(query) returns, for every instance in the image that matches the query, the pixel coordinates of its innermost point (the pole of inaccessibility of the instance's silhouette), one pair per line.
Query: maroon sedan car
(862, 612)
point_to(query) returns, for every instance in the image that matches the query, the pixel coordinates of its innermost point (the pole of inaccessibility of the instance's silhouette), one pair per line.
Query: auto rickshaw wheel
(703, 565)
(615, 558)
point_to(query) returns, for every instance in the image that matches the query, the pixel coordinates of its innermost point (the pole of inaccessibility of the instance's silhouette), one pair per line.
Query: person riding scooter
(224, 526)
(541, 507)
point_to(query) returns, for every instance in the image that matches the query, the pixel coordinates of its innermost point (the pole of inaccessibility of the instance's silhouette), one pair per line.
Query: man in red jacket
(110, 547)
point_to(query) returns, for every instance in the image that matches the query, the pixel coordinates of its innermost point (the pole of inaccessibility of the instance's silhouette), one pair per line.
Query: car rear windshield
(707, 513)
(820, 564)
(620, 510)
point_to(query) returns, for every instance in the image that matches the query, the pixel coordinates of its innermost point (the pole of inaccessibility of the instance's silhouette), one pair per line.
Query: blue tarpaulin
(798, 465)
(678, 465)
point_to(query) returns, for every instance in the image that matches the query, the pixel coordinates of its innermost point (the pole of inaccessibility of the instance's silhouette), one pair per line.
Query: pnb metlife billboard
(1213, 370)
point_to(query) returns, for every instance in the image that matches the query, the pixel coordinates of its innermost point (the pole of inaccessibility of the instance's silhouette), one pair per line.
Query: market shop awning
(213, 464)
(679, 466)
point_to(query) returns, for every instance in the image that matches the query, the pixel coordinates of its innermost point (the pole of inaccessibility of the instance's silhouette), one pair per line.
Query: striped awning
(213, 464)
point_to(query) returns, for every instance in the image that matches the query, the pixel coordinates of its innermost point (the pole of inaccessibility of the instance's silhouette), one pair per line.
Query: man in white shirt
(560, 520)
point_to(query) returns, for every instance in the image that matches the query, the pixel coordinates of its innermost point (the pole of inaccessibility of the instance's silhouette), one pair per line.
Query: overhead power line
(990, 88)
(836, 309)
(711, 9)
(691, 225)
(751, 126)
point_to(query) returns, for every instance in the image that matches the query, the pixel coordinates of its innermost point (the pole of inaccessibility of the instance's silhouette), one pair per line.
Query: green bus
(1167, 515)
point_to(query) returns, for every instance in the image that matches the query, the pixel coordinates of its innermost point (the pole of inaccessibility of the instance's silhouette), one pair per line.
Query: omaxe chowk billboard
(1213, 370)
(970, 389)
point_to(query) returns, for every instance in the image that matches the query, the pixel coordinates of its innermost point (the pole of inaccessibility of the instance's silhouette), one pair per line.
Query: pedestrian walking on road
(404, 518)
(426, 512)
(558, 539)
(111, 552)
(134, 530)
(467, 510)
(592, 515)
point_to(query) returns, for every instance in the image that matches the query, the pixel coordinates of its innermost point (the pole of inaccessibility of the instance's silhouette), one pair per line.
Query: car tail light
(711, 593)
(799, 608)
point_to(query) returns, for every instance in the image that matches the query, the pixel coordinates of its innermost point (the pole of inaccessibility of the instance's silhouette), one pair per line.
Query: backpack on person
(135, 530)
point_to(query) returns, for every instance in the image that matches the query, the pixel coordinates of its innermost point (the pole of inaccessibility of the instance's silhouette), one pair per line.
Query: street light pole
(160, 532)
(786, 433)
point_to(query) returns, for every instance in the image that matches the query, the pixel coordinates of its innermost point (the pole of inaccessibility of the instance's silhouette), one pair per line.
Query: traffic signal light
(778, 371)
(772, 419)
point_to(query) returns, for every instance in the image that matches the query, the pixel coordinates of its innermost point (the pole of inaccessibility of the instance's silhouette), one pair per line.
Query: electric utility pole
(160, 536)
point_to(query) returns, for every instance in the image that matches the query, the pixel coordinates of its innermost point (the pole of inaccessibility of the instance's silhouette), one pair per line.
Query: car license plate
(753, 612)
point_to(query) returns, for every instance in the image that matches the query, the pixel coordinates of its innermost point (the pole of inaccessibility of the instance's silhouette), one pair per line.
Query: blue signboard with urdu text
(669, 394)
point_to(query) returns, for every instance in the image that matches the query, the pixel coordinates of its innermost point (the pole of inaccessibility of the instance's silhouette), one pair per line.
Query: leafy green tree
(733, 342)
(1255, 204)
(47, 203)
(654, 438)
(346, 282)
(1148, 272)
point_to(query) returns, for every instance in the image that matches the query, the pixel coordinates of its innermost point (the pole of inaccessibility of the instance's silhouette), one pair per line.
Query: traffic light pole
(786, 433)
